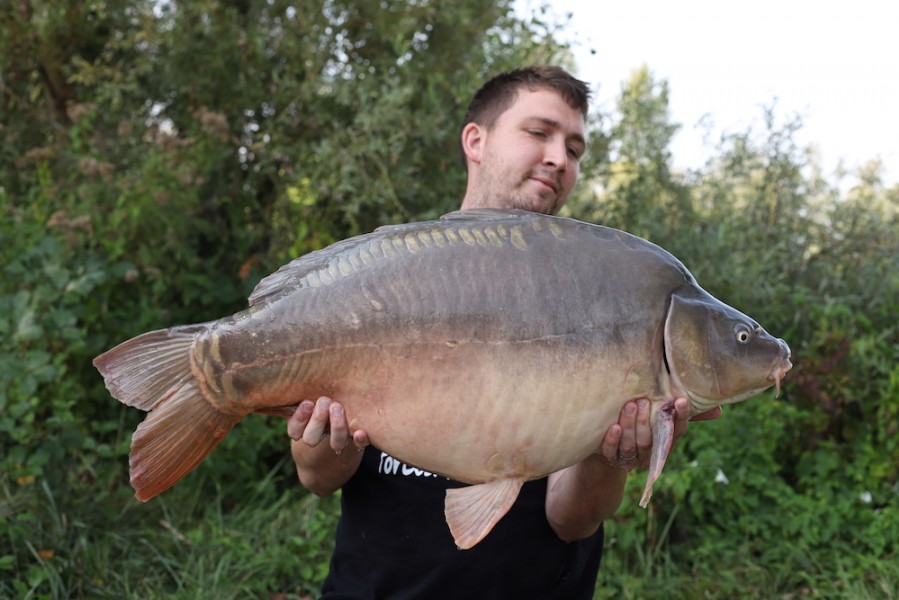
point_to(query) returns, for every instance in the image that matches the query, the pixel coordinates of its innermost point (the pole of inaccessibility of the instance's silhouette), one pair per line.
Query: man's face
(531, 156)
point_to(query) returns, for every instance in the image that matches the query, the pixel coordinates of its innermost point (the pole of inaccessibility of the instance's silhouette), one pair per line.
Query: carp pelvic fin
(152, 372)
(471, 512)
(662, 439)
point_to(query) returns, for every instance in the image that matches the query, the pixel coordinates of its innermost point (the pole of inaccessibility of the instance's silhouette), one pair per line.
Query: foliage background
(158, 158)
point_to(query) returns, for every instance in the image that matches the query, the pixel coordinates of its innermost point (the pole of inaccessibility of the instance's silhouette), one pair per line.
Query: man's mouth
(548, 183)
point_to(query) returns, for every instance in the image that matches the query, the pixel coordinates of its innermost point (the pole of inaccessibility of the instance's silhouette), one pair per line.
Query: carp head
(717, 355)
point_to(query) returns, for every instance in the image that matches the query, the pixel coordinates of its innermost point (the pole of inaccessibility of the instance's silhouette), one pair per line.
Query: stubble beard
(499, 195)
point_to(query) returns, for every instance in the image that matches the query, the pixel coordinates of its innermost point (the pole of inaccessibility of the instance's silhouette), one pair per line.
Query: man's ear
(473, 142)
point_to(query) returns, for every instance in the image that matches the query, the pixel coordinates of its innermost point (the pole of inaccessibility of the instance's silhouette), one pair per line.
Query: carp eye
(743, 334)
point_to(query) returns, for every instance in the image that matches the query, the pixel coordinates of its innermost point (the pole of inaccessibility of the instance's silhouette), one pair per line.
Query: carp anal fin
(662, 439)
(471, 512)
(153, 372)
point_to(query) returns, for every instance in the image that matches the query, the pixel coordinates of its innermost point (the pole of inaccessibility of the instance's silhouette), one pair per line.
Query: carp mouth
(781, 365)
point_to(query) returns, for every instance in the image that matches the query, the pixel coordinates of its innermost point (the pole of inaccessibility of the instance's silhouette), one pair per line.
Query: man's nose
(556, 155)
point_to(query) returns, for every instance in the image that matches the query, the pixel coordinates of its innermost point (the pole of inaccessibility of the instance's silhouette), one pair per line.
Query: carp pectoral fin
(471, 512)
(662, 439)
(174, 438)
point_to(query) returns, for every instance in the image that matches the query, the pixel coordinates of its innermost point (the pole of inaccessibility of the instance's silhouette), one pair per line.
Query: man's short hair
(500, 92)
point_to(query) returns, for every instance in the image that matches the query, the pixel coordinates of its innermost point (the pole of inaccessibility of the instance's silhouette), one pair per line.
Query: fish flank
(390, 348)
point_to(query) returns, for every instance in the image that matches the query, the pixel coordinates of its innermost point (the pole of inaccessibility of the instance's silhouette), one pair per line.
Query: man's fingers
(627, 447)
(318, 423)
(609, 448)
(643, 432)
(297, 422)
(360, 438)
(339, 435)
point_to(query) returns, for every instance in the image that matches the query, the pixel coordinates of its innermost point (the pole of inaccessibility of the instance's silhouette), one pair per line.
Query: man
(522, 140)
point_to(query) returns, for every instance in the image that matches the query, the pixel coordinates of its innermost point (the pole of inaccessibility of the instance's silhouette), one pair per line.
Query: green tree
(637, 190)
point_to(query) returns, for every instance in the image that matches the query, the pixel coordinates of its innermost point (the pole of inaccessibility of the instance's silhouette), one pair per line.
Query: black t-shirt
(393, 542)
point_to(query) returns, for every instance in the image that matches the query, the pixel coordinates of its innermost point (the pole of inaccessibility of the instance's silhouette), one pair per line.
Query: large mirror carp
(490, 346)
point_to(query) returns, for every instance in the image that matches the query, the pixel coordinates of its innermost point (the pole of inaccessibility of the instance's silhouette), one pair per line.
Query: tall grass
(182, 544)
(276, 544)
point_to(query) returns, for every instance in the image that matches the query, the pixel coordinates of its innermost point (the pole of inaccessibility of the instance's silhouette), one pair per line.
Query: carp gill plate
(490, 346)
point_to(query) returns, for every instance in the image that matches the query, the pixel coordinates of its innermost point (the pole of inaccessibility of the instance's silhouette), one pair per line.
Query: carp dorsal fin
(471, 512)
(289, 275)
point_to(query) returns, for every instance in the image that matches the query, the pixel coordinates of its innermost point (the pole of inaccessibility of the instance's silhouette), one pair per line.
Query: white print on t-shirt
(391, 466)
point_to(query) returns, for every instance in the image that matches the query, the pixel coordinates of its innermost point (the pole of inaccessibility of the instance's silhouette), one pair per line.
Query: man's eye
(537, 133)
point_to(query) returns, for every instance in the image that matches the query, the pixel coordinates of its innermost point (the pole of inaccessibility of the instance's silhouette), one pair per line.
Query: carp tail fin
(662, 440)
(471, 512)
(152, 372)
(174, 438)
(143, 371)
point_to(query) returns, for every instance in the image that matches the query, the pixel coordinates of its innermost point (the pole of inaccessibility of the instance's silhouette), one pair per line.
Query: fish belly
(471, 409)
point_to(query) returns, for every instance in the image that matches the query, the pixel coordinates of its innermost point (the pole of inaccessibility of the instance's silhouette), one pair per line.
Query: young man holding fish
(521, 141)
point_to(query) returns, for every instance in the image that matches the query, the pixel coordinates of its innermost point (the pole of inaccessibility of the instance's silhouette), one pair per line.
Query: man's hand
(323, 468)
(312, 422)
(628, 443)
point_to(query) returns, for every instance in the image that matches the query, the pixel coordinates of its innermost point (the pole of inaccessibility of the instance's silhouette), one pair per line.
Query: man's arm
(323, 468)
(580, 497)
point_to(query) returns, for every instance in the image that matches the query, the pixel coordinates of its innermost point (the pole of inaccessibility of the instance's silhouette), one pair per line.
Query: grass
(786, 571)
(275, 544)
(180, 545)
